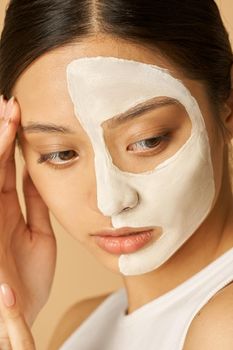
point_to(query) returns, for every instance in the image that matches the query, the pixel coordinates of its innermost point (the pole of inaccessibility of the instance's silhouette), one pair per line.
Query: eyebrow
(51, 128)
(132, 113)
(140, 109)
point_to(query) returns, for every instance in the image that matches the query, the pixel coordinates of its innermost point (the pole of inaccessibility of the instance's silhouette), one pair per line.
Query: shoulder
(73, 318)
(212, 328)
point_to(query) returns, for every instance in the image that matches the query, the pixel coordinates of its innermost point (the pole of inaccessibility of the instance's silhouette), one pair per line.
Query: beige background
(78, 274)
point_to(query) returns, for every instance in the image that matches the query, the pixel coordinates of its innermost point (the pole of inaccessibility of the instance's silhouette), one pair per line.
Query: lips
(125, 240)
(124, 231)
(124, 244)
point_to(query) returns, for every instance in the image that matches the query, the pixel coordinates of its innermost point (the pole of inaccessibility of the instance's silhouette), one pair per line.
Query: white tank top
(161, 323)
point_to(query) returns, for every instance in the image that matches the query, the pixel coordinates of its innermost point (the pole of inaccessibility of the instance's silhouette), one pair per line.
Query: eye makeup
(60, 158)
(148, 144)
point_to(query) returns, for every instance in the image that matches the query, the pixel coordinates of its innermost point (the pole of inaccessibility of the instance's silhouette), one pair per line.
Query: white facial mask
(178, 194)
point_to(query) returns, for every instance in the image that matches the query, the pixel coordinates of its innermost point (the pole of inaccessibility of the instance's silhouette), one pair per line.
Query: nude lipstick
(123, 241)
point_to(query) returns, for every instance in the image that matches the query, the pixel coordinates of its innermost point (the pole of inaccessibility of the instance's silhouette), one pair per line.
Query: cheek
(215, 140)
(68, 193)
(216, 148)
(217, 155)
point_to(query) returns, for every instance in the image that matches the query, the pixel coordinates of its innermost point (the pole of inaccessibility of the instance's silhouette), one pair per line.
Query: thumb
(19, 334)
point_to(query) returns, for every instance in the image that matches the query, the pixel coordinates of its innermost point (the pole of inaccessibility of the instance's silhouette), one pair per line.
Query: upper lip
(121, 232)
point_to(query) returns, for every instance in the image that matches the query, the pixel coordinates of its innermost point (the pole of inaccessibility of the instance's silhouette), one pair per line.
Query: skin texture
(76, 184)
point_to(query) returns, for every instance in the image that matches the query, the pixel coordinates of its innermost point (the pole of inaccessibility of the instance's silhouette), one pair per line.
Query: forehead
(46, 78)
(49, 70)
(105, 87)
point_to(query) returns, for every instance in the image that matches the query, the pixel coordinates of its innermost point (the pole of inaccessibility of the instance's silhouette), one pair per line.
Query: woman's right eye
(58, 158)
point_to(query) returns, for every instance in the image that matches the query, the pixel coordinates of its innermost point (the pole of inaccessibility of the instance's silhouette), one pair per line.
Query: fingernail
(2, 107)
(9, 108)
(7, 295)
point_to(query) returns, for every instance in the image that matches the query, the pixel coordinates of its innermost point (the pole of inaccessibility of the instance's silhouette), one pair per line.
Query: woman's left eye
(148, 144)
(58, 158)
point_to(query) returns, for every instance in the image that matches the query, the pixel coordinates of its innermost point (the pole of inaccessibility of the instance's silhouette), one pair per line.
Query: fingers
(36, 210)
(20, 336)
(9, 121)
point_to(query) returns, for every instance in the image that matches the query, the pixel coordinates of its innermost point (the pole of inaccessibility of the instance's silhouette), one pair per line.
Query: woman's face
(58, 151)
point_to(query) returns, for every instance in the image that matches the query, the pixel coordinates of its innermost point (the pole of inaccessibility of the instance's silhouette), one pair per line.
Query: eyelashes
(150, 143)
(61, 159)
(56, 158)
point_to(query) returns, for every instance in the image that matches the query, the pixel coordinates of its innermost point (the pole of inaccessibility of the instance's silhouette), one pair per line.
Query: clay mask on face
(178, 194)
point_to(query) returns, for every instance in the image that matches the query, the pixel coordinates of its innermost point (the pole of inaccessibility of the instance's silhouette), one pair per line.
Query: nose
(114, 194)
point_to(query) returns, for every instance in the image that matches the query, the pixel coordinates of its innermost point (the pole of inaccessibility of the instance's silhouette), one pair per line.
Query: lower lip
(124, 244)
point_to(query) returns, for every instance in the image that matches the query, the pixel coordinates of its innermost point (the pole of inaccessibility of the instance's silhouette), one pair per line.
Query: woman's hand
(19, 336)
(27, 247)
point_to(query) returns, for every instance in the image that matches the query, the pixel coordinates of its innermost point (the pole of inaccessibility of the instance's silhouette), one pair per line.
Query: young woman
(123, 111)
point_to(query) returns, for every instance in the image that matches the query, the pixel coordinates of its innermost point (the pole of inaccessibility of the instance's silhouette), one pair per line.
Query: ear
(228, 110)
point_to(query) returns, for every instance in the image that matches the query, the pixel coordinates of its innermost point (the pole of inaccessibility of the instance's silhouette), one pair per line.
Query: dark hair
(191, 33)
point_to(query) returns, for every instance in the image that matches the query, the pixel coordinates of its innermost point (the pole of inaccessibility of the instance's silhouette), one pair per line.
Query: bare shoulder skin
(73, 318)
(212, 328)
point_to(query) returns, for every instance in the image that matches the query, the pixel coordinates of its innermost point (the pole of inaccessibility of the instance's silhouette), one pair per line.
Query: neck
(213, 238)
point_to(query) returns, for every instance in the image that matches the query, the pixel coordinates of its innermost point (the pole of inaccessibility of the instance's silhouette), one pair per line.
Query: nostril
(136, 202)
(125, 209)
